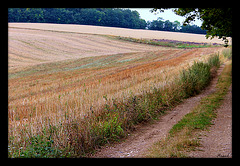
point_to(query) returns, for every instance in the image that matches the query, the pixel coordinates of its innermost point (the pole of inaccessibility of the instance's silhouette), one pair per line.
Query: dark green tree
(156, 24)
(168, 26)
(176, 26)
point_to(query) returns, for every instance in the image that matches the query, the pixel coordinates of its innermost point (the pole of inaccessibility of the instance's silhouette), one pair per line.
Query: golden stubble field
(59, 74)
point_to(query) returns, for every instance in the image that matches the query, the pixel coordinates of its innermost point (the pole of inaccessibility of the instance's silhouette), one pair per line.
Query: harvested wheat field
(59, 75)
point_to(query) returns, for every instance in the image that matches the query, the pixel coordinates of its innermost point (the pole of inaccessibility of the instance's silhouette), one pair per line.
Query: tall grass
(65, 131)
(214, 61)
(195, 79)
(227, 53)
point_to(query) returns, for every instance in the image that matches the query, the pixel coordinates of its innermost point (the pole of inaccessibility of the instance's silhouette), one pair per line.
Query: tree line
(87, 16)
(175, 26)
(112, 17)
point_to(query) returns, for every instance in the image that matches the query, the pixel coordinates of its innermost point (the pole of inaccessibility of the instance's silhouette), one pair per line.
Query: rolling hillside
(60, 74)
(31, 46)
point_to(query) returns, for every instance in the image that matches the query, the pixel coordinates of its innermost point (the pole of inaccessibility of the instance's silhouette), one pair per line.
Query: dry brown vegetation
(56, 77)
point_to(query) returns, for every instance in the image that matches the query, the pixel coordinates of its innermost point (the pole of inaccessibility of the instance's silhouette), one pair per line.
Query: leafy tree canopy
(217, 21)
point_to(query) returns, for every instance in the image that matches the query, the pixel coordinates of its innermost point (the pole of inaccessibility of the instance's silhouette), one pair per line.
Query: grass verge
(183, 136)
(166, 43)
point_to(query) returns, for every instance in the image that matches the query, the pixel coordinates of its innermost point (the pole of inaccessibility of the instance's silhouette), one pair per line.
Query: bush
(214, 61)
(227, 53)
(195, 78)
(39, 147)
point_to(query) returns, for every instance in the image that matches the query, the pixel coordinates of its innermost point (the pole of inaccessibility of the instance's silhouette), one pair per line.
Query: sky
(166, 15)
